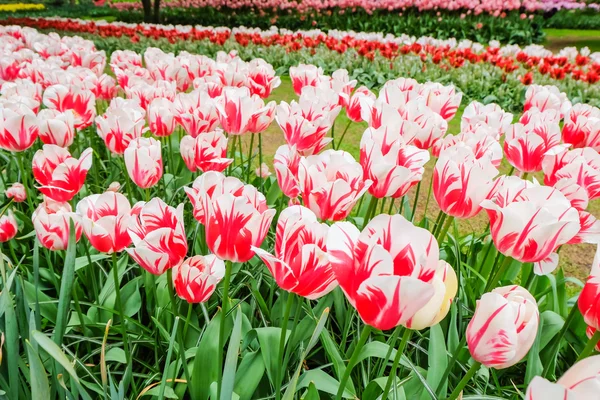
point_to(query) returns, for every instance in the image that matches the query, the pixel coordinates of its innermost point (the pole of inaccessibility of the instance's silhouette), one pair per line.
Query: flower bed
(16, 7)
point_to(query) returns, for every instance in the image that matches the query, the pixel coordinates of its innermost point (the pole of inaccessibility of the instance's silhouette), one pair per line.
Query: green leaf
(534, 363)
(163, 382)
(339, 366)
(66, 287)
(437, 360)
(249, 375)
(155, 391)
(312, 393)
(378, 350)
(116, 354)
(268, 338)
(231, 358)
(323, 382)
(552, 324)
(40, 388)
(81, 262)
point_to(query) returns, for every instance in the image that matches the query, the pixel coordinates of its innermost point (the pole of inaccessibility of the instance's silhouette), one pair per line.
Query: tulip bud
(143, 160)
(196, 279)
(16, 192)
(8, 227)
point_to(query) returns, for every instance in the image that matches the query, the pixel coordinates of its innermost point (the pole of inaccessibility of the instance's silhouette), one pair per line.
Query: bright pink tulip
(546, 98)
(206, 152)
(503, 327)
(526, 145)
(581, 166)
(489, 115)
(158, 236)
(119, 126)
(300, 264)
(196, 112)
(261, 78)
(81, 101)
(461, 181)
(443, 100)
(51, 221)
(580, 382)
(305, 75)
(61, 175)
(161, 117)
(16, 192)
(56, 127)
(353, 109)
(286, 163)
(237, 110)
(235, 224)
(389, 163)
(105, 218)
(581, 126)
(208, 186)
(8, 227)
(528, 222)
(196, 279)
(143, 160)
(386, 271)
(331, 183)
(18, 129)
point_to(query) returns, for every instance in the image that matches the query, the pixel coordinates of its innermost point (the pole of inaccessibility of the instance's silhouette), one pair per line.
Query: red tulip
(196, 279)
(18, 129)
(503, 327)
(56, 127)
(385, 271)
(300, 264)
(81, 101)
(331, 183)
(16, 192)
(581, 126)
(105, 218)
(525, 145)
(143, 160)
(8, 227)
(51, 221)
(580, 382)
(208, 186)
(158, 236)
(123, 121)
(206, 152)
(61, 175)
(161, 117)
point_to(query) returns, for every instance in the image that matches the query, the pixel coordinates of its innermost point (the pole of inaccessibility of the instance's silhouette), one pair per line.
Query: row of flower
(391, 271)
(14, 7)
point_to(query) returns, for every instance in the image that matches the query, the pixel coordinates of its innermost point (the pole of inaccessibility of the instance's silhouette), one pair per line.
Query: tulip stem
(224, 309)
(260, 158)
(557, 339)
(445, 229)
(414, 209)
(25, 180)
(457, 351)
(428, 198)
(461, 385)
(370, 210)
(590, 346)
(282, 336)
(250, 158)
(175, 311)
(491, 284)
(119, 306)
(392, 376)
(353, 360)
(341, 137)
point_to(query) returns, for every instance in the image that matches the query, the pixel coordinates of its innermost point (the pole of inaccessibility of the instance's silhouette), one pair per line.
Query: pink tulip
(528, 222)
(119, 126)
(8, 227)
(208, 186)
(331, 183)
(300, 264)
(61, 175)
(353, 109)
(461, 181)
(51, 221)
(16, 192)
(206, 152)
(196, 279)
(443, 100)
(525, 145)
(305, 75)
(286, 163)
(196, 112)
(114, 187)
(158, 236)
(161, 117)
(56, 127)
(263, 171)
(81, 101)
(18, 129)
(389, 163)
(581, 381)
(237, 110)
(503, 327)
(581, 126)
(489, 115)
(387, 270)
(105, 219)
(546, 98)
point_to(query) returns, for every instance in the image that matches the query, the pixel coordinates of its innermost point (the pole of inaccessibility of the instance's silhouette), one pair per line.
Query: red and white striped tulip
(18, 129)
(161, 117)
(196, 112)
(206, 152)
(145, 93)
(286, 163)
(300, 264)
(56, 127)
(120, 125)
(581, 166)
(481, 141)
(81, 101)
(580, 382)
(529, 222)
(61, 175)
(51, 221)
(589, 298)
(105, 218)
(387, 270)
(354, 108)
(196, 278)
(331, 183)
(580, 128)
(262, 78)
(143, 160)
(503, 327)
(158, 235)
(240, 112)
(16, 192)
(8, 227)
(208, 186)
(263, 171)
(306, 75)
(547, 98)
(443, 100)
(490, 115)
(526, 145)
(428, 127)
(546, 116)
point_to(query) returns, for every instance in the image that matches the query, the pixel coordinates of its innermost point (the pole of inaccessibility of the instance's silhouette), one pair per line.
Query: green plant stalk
(224, 309)
(260, 158)
(284, 323)
(361, 342)
(439, 221)
(178, 332)
(463, 382)
(391, 341)
(414, 209)
(590, 346)
(370, 211)
(127, 180)
(556, 341)
(445, 229)
(405, 336)
(491, 284)
(119, 306)
(341, 137)
(428, 197)
(250, 158)
(25, 179)
(459, 348)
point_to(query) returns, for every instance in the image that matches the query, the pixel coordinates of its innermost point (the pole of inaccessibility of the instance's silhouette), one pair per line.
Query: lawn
(557, 39)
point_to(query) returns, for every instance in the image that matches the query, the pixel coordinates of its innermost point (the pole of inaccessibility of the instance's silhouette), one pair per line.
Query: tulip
(490, 115)
(196, 112)
(196, 279)
(305, 75)
(340, 82)
(503, 327)
(426, 126)
(389, 163)
(580, 382)
(589, 297)
(300, 264)
(546, 98)
(331, 183)
(481, 141)
(353, 109)
(461, 181)
(263, 171)
(144, 93)
(158, 236)
(581, 166)
(125, 59)
(206, 152)
(52, 224)
(387, 270)
(442, 100)
(525, 145)
(546, 116)
(119, 126)
(528, 222)
(580, 128)
(261, 78)
(105, 219)
(61, 175)
(56, 127)
(208, 186)
(161, 117)
(81, 101)
(16, 192)
(114, 187)
(235, 224)
(8, 227)
(237, 109)
(18, 129)
(286, 163)
(143, 161)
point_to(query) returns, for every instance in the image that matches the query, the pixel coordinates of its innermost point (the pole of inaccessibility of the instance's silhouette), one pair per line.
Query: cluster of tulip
(390, 270)
(579, 65)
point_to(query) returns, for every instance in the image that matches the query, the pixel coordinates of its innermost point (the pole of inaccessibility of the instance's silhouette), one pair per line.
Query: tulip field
(213, 213)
